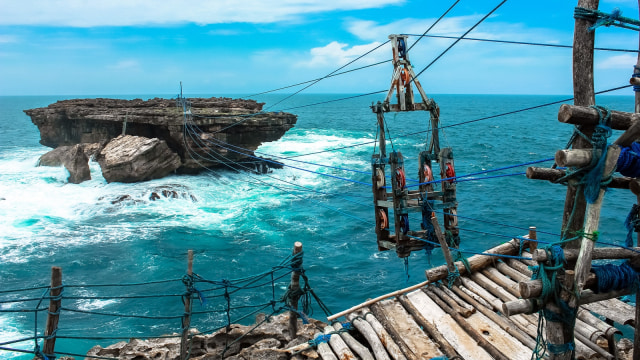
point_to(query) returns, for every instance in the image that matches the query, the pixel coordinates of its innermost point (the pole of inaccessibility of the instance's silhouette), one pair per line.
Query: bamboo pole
(186, 320)
(54, 311)
(294, 288)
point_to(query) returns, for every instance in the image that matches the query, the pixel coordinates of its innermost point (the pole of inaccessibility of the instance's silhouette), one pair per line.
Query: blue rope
(615, 277)
(636, 73)
(632, 224)
(629, 160)
(594, 178)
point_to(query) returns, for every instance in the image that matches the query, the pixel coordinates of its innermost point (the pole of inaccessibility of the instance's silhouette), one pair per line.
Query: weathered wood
(379, 298)
(532, 244)
(496, 276)
(573, 157)
(611, 308)
(354, 344)
(533, 288)
(489, 346)
(447, 328)
(340, 348)
(492, 287)
(415, 338)
(584, 115)
(370, 335)
(476, 262)
(479, 299)
(390, 337)
(470, 309)
(552, 175)
(540, 255)
(295, 287)
(426, 321)
(186, 320)
(583, 264)
(443, 244)
(635, 81)
(54, 311)
(514, 274)
(496, 304)
(586, 316)
(464, 311)
(324, 350)
(632, 134)
(520, 266)
(505, 323)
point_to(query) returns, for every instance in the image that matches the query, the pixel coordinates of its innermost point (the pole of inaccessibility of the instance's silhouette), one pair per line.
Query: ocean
(244, 224)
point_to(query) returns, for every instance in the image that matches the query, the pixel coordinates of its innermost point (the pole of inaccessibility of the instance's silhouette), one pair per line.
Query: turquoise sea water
(241, 226)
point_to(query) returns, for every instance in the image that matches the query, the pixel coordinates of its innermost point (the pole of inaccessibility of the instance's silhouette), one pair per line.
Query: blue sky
(85, 47)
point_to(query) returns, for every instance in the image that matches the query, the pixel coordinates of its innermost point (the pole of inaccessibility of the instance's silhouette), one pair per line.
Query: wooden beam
(476, 262)
(552, 175)
(599, 253)
(588, 116)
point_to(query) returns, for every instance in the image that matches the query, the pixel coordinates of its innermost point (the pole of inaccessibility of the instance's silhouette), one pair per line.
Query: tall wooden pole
(186, 320)
(294, 287)
(636, 336)
(575, 204)
(54, 308)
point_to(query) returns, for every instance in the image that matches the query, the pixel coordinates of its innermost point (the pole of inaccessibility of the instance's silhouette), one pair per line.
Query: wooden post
(294, 287)
(533, 239)
(186, 320)
(54, 308)
(636, 335)
(443, 245)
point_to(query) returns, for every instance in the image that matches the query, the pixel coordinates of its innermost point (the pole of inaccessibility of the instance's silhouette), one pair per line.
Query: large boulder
(135, 158)
(73, 158)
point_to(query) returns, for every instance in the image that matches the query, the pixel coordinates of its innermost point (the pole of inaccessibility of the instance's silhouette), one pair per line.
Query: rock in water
(135, 158)
(231, 128)
(73, 158)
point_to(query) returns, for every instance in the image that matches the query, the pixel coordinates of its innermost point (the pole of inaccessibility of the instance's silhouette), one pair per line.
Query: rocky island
(138, 140)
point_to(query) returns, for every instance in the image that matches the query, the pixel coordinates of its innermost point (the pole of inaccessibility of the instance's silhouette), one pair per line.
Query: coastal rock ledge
(218, 130)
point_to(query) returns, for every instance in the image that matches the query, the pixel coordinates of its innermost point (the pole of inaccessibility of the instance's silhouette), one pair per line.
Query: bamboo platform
(467, 320)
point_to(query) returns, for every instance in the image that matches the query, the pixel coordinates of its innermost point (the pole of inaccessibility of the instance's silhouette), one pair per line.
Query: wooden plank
(387, 340)
(476, 262)
(450, 330)
(615, 310)
(499, 344)
(338, 345)
(354, 344)
(505, 323)
(414, 337)
(427, 326)
(370, 335)
(325, 350)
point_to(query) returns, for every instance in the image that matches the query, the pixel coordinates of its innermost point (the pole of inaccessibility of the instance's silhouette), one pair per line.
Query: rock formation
(206, 132)
(73, 158)
(267, 342)
(134, 158)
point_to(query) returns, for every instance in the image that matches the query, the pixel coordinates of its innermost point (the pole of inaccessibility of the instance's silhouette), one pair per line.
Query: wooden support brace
(584, 115)
(541, 255)
(552, 175)
(295, 287)
(186, 320)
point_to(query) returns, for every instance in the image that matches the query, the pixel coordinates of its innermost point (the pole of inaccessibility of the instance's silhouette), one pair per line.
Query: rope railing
(233, 300)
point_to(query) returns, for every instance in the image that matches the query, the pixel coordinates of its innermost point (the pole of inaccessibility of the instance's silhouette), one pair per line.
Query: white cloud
(335, 54)
(625, 61)
(83, 13)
